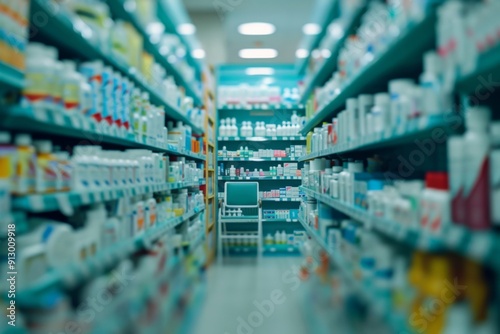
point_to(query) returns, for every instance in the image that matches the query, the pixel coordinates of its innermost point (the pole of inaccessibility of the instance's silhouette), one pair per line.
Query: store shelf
(10, 76)
(280, 220)
(394, 320)
(68, 32)
(290, 199)
(401, 54)
(415, 129)
(260, 139)
(258, 178)
(119, 8)
(76, 273)
(257, 107)
(77, 126)
(268, 250)
(67, 201)
(329, 65)
(190, 246)
(480, 246)
(487, 72)
(258, 159)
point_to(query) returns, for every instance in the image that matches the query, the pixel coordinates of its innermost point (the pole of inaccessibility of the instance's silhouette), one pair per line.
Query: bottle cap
(400, 85)
(478, 117)
(23, 140)
(365, 99)
(43, 146)
(351, 104)
(437, 180)
(432, 62)
(382, 99)
(5, 137)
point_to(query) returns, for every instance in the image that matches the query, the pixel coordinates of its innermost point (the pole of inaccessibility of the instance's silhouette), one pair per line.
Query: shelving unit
(258, 159)
(396, 321)
(79, 127)
(67, 201)
(329, 65)
(480, 246)
(71, 275)
(118, 7)
(415, 129)
(260, 178)
(69, 33)
(410, 45)
(11, 76)
(262, 139)
(258, 107)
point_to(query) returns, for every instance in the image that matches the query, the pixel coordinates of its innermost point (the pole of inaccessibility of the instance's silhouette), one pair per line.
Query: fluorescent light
(335, 29)
(155, 28)
(258, 53)
(302, 53)
(259, 71)
(198, 53)
(325, 53)
(256, 28)
(186, 29)
(311, 29)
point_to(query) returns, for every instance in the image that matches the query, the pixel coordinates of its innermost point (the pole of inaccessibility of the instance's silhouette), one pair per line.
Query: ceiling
(287, 15)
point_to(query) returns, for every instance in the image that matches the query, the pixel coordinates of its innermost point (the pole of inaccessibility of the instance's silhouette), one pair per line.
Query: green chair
(241, 204)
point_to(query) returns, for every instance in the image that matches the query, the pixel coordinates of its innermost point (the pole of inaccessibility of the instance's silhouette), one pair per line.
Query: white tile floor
(233, 288)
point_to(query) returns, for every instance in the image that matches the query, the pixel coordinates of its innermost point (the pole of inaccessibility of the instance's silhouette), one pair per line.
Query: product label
(36, 89)
(478, 203)
(71, 97)
(46, 175)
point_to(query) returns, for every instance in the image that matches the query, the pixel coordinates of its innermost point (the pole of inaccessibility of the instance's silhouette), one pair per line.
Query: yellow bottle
(308, 142)
(46, 167)
(24, 176)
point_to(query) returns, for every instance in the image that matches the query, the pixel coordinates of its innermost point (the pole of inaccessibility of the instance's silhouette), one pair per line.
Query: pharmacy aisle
(103, 198)
(259, 141)
(400, 181)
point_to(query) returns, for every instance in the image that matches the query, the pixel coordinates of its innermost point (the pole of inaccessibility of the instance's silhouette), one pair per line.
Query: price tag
(285, 138)
(85, 198)
(75, 121)
(41, 114)
(86, 124)
(37, 202)
(454, 237)
(64, 204)
(274, 138)
(480, 245)
(279, 159)
(58, 118)
(225, 138)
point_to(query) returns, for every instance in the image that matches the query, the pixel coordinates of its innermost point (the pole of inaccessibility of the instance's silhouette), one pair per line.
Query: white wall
(212, 36)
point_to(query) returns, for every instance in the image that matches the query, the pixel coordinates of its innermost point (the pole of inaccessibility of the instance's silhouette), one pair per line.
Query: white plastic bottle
(381, 113)
(355, 167)
(343, 177)
(234, 128)
(431, 83)
(295, 118)
(232, 171)
(277, 238)
(71, 85)
(476, 182)
(457, 174)
(279, 170)
(223, 128)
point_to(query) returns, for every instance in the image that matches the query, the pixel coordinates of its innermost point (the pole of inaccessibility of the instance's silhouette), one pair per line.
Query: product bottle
(295, 118)
(223, 128)
(495, 173)
(431, 83)
(46, 167)
(7, 160)
(152, 212)
(279, 170)
(477, 177)
(457, 174)
(232, 171)
(24, 177)
(381, 113)
(436, 209)
(283, 237)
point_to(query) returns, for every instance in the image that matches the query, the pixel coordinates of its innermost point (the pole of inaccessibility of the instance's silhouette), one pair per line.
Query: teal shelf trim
(257, 178)
(62, 30)
(260, 139)
(392, 319)
(258, 159)
(11, 76)
(267, 249)
(401, 54)
(59, 123)
(119, 9)
(289, 199)
(414, 129)
(280, 220)
(74, 274)
(330, 64)
(487, 71)
(480, 246)
(259, 107)
(67, 201)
